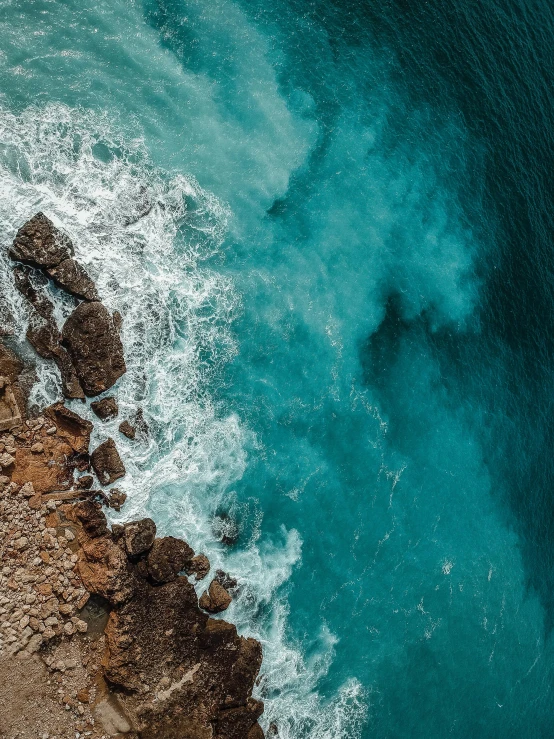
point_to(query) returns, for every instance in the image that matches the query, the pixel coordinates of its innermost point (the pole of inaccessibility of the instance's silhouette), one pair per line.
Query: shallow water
(327, 226)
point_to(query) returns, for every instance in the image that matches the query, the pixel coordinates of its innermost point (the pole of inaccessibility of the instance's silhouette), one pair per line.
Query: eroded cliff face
(161, 666)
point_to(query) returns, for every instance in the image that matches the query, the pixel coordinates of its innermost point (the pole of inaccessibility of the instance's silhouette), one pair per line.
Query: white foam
(146, 238)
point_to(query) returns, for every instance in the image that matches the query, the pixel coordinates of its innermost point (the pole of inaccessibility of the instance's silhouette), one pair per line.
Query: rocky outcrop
(199, 566)
(95, 348)
(182, 673)
(105, 409)
(107, 463)
(40, 244)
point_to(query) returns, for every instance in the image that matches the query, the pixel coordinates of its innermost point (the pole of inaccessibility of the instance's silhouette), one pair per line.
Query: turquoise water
(328, 228)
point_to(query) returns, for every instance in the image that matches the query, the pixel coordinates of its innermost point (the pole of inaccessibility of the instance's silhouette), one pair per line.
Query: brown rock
(168, 558)
(43, 334)
(199, 566)
(74, 279)
(92, 518)
(116, 499)
(10, 364)
(215, 599)
(40, 244)
(139, 536)
(107, 463)
(84, 482)
(106, 408)
(127, 430)
(94, 346)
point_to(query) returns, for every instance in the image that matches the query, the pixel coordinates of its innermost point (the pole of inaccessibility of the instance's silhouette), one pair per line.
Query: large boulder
(215, 599)
(74, 279)
(107, 463)
(139, 536)
(167, 558)
(93, 342)
(40, 244)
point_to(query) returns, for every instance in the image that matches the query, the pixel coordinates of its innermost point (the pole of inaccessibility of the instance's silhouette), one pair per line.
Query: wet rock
(127, 430)
(40, 244)
(10, 364)
(73, 278)
(107, 463)
(91, 517)
(199, 566)
(43, 334)
(139, 536)
(94, 346)
(225, 529)
(215, 599)
(106, 408)
(116, 499)
(167, 558)
(225, 580)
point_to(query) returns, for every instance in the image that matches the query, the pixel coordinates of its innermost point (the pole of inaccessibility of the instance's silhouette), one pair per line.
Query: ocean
(328, 227)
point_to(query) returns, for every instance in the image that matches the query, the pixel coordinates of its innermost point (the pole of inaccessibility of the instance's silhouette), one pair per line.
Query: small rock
(127, 430)
(167, 558)
(116, 499)
(27, 490)
(106, 408)
(6, 460)
(37, 448)
(199, 566)
(107, 463)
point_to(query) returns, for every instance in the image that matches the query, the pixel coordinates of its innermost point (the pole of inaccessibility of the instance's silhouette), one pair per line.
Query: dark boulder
(168, 558)
(215, 599)
(40, 244)
(139, 536)
(94, 346)
(225, 580)
(107, 463)
(74, 279)
(106, 408)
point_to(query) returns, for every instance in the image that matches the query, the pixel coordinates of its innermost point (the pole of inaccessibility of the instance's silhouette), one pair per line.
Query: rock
(43, 334)
(139, 536)
(225, 529)
(168, 558)
(107, 463)
(10, 365)
(106, 408)
(40, 244)
(70, 276)
(94, 346)
(116, 499)
(27, 490)
(37, 448)
(215, 599)
(225, 580)
(127, 430)
(91, 517)
(6, 460)
(84, 482)
(199, 566)
(70, 427)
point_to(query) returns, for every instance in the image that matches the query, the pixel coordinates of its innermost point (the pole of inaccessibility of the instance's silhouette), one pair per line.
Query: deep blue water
(338, 317)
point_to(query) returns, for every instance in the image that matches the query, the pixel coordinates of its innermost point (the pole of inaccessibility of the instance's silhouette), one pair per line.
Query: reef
(105, 620)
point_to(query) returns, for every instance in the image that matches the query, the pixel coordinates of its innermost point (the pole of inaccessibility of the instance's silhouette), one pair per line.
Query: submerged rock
(106, 408)
(107, 463)
(40, 244)
(215, 599)
(95, 347)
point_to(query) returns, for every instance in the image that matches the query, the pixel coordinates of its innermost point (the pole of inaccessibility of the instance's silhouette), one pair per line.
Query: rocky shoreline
(106, 620)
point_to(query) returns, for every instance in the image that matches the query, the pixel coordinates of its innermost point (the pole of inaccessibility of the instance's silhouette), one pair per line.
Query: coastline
(104, 613)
